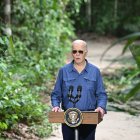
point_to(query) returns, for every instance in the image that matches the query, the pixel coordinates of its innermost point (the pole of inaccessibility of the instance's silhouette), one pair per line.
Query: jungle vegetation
(34, 39)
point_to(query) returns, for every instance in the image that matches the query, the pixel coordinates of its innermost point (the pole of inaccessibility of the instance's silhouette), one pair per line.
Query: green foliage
(40, 43)
(17, 102)
(3, 126)
(108, 17)
(3, 45)
(134, 46)
(30, 58)
(73, 6)
(135, 50)
(121, 86)
(42, 130)
(121, 81)
(46, 36)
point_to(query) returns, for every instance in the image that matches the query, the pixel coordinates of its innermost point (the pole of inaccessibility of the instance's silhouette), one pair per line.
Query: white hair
(78, 41)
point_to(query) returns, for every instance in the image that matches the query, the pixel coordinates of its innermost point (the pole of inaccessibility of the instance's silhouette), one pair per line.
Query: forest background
(35, 37)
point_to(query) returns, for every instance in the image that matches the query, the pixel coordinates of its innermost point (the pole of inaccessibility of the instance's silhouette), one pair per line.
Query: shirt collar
(73, 69)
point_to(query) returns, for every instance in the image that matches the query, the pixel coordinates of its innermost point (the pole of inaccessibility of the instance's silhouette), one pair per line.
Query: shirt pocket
(90, 83)
(67, 82)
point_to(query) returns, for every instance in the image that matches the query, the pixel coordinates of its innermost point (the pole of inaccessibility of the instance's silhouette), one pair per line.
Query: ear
(86, 53)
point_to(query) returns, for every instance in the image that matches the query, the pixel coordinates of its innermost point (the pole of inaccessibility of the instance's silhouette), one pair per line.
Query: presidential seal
(73, 117)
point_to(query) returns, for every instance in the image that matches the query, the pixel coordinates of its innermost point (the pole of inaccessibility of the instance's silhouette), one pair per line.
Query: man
(93, 95)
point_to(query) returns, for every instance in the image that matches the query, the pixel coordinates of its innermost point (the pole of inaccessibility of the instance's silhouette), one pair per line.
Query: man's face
(79, 53)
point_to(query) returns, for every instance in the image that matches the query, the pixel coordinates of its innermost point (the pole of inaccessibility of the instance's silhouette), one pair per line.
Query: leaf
(3, 66)
(131, 37)
(1, 41)
(6, 98)
(11, 46)
(135, 50)
(14, 116)
(3, 126)
(133, 92)
(129, 42)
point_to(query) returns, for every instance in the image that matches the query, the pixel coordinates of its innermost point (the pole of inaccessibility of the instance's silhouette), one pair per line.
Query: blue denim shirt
(93, 94)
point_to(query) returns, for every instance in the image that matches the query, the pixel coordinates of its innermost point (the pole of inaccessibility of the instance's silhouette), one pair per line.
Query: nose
(77, 53)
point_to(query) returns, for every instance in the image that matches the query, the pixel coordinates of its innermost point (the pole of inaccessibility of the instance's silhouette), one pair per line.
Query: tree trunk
(7, 17)
(115, 10)
(88, 11)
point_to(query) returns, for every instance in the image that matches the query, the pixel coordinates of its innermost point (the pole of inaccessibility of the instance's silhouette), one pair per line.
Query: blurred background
(35, 41)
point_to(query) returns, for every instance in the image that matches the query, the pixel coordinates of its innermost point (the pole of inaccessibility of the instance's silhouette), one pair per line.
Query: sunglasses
(77, 51)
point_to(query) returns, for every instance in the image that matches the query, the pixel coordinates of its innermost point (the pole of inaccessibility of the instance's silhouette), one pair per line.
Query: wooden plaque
(89, 117)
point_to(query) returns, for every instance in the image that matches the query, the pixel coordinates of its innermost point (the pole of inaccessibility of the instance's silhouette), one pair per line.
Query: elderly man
(93, 95)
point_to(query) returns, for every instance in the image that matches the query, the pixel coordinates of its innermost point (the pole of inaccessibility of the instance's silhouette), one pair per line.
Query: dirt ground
(116, 125)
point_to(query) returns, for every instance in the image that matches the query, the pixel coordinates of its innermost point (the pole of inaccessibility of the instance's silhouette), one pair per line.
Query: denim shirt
(93, 94)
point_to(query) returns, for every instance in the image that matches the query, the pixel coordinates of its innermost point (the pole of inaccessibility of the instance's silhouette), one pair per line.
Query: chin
(78, 62)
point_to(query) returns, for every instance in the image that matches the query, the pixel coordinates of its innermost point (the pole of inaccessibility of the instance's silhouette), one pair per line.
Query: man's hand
(101, 111)
(56, 109)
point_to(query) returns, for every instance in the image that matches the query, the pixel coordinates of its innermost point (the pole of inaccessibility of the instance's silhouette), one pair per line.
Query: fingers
(56, 109)
(101, 111)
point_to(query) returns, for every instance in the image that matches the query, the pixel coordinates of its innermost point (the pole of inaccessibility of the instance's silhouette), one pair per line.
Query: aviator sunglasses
(79, 51)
